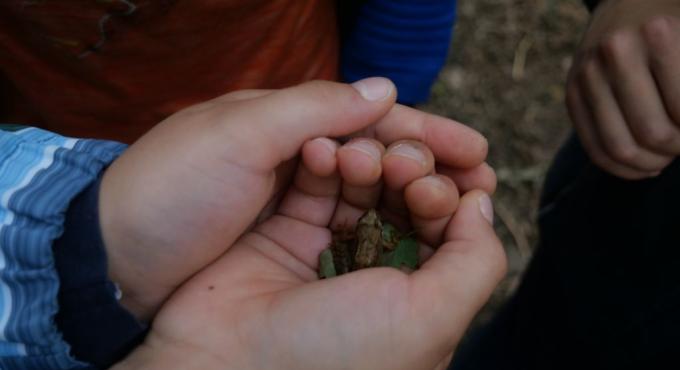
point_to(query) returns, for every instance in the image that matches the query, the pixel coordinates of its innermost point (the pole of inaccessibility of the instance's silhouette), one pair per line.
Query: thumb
(279, 123)
(459, 278)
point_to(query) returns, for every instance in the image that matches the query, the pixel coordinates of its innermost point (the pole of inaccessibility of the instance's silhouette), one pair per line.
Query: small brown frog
(370, 243)
(343, 248)
(369, 240)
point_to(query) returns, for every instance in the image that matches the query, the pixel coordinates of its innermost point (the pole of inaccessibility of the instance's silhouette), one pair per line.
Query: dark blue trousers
(603, 288)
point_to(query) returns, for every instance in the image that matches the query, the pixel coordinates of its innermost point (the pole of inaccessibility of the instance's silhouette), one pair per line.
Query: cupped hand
(261, 306)
(623, 91)
(180, 197)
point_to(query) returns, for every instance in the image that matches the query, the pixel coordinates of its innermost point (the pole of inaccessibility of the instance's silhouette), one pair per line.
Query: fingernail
(409, 151)
(365, 146)
(486, 207)
(374, 88)
(438, 182)
(328, 143)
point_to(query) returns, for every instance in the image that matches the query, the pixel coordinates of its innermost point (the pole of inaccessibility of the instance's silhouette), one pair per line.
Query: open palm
(184, 193)
(261, 306)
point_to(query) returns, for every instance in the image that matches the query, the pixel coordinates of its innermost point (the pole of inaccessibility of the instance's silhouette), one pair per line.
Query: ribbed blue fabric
(91, 319)
(40, 172)
(404, 40)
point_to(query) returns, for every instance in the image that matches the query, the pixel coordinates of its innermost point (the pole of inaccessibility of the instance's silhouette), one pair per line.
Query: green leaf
(388, 231)
(386, 259)
(406, 254)
(326, 265)
(390, 236)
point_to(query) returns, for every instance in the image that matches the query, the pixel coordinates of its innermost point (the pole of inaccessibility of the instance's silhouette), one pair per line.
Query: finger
(312, 199)
(306, 209)
(403, 162)
(637, 94)
(482, 177)
(459, 278)
(319, 156)
(360, 167)
(316, 184)
(300, 113)
(359, 162)
(583, 124)
(432, 201)
(353, 203)
(452, 143)
(610, 124)
(661, 35)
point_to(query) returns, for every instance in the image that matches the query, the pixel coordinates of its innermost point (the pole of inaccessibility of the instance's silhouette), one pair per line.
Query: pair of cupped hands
(214, 220)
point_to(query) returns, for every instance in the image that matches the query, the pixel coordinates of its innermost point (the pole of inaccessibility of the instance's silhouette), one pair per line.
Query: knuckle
(658, 33)
(656, 136)
(616, 46)
(660, 36)
(622, 152)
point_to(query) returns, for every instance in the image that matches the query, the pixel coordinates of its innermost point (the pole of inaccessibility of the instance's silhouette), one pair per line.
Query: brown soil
(505, 77)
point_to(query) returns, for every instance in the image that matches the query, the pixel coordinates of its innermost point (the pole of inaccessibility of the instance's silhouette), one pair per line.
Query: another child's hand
(623, 92)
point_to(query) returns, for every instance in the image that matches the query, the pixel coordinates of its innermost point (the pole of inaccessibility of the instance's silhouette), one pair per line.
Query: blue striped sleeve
(40, 173)
(404, 40)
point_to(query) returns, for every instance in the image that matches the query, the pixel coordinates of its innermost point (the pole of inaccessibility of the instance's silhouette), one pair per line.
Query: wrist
(157, 355)
(87, 298)
(125, 267)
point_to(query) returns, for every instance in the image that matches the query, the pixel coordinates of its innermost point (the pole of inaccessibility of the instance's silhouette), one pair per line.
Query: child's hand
(623, 92)
(183, 194)
(261, 306)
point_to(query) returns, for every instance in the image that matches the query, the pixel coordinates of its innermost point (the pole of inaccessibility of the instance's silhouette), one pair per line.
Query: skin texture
(181, 196)
(260, 305)
(623, 91)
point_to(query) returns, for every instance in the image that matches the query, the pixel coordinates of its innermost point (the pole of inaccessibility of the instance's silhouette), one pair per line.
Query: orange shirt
(114, 68)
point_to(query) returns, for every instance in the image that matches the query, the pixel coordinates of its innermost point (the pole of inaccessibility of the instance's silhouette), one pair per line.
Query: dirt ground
(505, 77)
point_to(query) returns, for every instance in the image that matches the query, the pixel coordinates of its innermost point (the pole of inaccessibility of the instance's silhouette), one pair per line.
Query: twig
(518, 234)
(521, 58)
